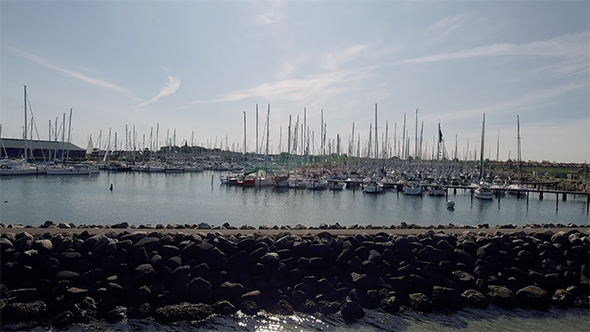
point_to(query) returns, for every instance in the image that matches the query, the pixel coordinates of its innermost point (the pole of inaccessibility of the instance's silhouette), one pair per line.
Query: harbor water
(193, 198)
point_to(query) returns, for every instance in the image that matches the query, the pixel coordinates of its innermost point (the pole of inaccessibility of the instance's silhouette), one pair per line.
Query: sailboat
(263, 178)
(483, 190)
(438, 189)
(515, 188)
(21, 167)
(68, 169)
(373, 186)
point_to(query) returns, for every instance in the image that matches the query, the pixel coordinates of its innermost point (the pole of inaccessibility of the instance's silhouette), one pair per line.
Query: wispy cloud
(71, 73)
(334, 59)
(272, 15)
(290, 66)
(168, 89)
(443, 28)
(572, 49)
(314, 87)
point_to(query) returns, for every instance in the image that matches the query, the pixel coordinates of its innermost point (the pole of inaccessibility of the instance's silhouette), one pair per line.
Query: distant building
(40, 150)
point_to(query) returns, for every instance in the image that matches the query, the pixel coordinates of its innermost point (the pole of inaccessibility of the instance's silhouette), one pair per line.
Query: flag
(440, 143)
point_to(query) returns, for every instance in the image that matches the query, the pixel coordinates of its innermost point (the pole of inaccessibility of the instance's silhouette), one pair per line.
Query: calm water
(491, 319)
(144, 198)
(153, 198)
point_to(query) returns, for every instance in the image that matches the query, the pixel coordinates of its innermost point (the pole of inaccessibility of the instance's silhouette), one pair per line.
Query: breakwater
(60, 277)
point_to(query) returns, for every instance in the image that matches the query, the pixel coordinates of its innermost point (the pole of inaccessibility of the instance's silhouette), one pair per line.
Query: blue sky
(196, 66)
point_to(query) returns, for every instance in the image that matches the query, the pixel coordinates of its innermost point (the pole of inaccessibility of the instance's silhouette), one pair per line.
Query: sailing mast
(483, 129)
(519, 150)
(25, 128)
(376, 136)
(245, 152)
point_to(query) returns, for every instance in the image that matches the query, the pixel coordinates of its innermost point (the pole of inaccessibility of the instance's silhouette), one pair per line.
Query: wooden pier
(499, 192)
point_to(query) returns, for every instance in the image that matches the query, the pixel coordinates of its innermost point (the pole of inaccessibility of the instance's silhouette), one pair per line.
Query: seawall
(65, 276)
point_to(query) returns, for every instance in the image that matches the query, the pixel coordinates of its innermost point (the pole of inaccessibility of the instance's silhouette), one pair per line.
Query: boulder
(224, 307)
(533, 297)
(200, 290)
(390, 304)
(328, 307)
(116, 314)
(444, 297)
(502, 296)
(563, 299)
(351, 310)
(474, 298)
(249, 307)
(281, 307)
(420, 302)
(63, 319)
(144, 274)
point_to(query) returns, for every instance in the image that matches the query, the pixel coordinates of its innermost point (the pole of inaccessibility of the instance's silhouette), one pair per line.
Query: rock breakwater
(64, 278)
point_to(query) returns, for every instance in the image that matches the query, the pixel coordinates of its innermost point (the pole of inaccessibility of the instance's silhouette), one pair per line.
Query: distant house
(15, 148)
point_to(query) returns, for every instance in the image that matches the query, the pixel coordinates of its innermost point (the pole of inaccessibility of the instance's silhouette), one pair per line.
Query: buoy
(450, 205)
(111, 188)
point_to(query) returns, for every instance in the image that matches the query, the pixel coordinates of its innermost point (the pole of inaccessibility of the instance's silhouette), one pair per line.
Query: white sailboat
(373, 186)
(483, 190)
(438, 189)
(21, 167)
(412, 188)
(515, 188)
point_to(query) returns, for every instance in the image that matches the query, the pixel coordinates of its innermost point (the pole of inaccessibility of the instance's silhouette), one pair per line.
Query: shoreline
(63, 276)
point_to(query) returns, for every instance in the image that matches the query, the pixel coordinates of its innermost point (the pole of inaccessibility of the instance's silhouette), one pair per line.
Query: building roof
(12, 143)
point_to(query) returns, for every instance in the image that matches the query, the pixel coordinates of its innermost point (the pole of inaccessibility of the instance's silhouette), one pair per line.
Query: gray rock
(200, 290)
(328, 307)
(444, 297)
(148, 243)
(143, 293)
(281, 307)
(224, 307)
(4, 292)
(67, 275)
(563, 299)
(254, 295)
(230, 291)
(116, 314)
(308, 307)
(144, 274)
(390, 304)
(474, 298)
(502, 296)
(5, 244)
(63, 319)
(249, 307)
(239, 260)
(23, 242)
(24, 294)
(420, 302)
(43, 246)
(533, 297)
(270, 259)
(351, 310)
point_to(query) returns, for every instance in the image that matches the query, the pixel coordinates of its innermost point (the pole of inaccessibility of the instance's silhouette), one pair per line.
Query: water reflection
(180, 198)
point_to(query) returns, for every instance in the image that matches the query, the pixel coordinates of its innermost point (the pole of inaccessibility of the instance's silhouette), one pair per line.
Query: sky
(188, 70)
